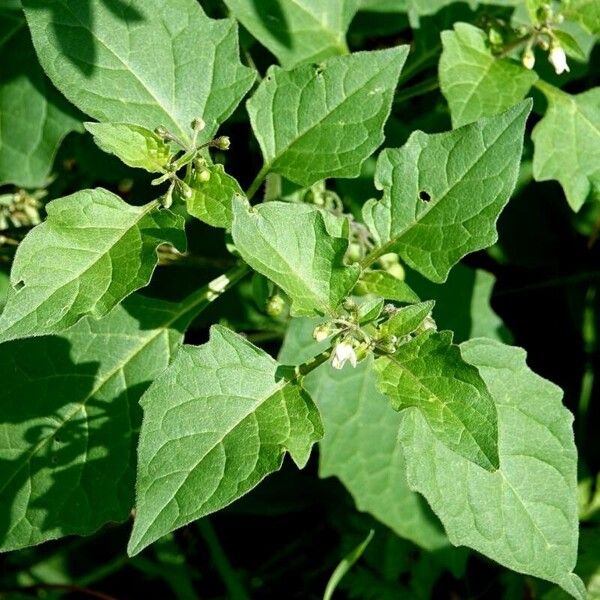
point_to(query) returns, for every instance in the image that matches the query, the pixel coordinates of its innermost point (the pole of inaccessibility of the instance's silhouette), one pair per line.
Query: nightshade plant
(400, 410)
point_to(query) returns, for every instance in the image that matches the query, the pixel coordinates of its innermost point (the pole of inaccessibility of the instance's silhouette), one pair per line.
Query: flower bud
(222, 142)
(162, 132)
(203, 176)
(495, 37)
(428, 324)
(322, 332)
(185, 190)
(198, 124)
(275, 305)
(397, 271)
(558, 59)
(528, 59)
(354, 252)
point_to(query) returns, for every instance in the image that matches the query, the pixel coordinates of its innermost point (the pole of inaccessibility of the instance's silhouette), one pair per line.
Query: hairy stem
(255, 185)
(199, 300)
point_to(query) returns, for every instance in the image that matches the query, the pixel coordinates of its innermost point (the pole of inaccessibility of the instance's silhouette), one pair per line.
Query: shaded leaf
(360, 446)
(69, 419)
(298, 31)
(463, 303)
(34, 117)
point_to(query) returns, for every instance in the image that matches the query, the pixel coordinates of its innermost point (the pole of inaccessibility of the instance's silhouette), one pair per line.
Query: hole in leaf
(424, 196)
(20, 284)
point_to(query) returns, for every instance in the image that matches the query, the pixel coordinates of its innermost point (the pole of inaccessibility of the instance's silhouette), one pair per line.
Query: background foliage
(441, 86)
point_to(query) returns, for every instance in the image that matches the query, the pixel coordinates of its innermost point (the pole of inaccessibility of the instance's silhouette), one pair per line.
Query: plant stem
(588, 335)
(377, 253)
(418, 65)
(310, 365)
(513, 46)
(197, 301)
(419, 89)
(255, 185)
(547, 88)
(235, 589)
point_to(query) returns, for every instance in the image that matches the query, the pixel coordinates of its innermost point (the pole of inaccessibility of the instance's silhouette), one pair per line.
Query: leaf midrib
(443, 403)
(387, 246)
(323, 304)
(272, 162)
(188, 472)
(127, 67)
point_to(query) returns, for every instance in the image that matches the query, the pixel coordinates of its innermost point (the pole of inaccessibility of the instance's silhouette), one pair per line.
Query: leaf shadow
(75, 442)
(274, 20)
(82, 49)
(19, 61)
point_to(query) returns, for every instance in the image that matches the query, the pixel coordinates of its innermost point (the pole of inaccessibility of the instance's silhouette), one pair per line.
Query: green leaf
(34, 117)
(298, 31)
(215, 424)
(92, 251)
(369, 310)
(567, 142)
(524, 515)
(69, 418)
(360, 446)
(322, 121)
(473, 315)
(300, 249)
(570, 45)
(383, 6)
(146, 62)
(345, 565)
(474, 82)
(409, 318)
(429, 374)
(211, 200)
(443, 192)
(587, 12)
(382, 283)
(136, 146)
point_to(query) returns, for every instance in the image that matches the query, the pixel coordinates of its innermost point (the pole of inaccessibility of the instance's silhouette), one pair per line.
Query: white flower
(343, 353)
(322, 332)
(558, 59)
(528, 59)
